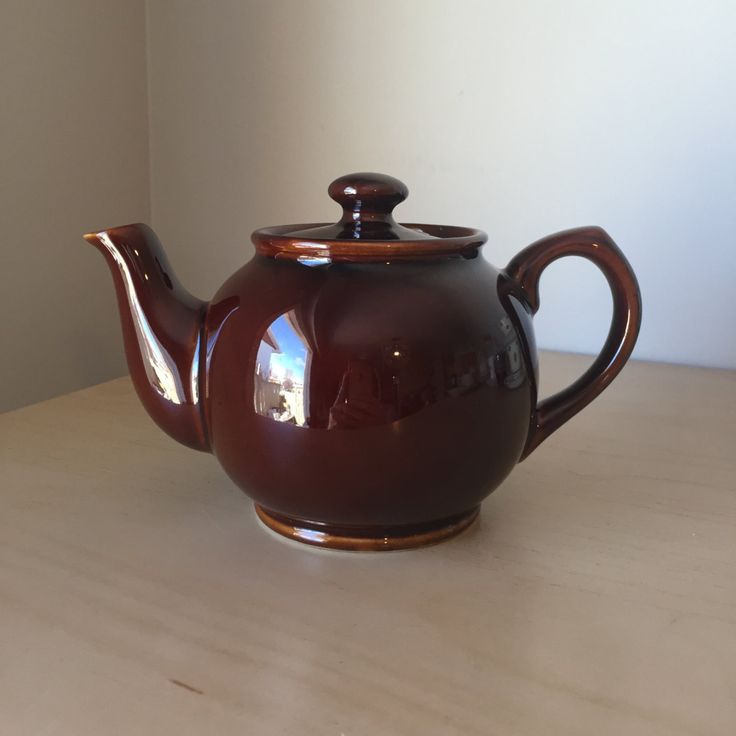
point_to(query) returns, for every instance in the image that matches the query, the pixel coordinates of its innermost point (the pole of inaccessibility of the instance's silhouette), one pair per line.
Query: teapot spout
(162, 331)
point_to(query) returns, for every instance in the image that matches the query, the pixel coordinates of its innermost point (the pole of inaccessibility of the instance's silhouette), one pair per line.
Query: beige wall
(73, 157)
(521, 118)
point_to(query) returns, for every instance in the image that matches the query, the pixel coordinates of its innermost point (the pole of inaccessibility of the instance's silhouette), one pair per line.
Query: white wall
(521, 118)
(73, 157)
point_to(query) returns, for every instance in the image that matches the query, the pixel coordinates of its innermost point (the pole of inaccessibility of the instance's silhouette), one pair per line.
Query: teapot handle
(526, 268)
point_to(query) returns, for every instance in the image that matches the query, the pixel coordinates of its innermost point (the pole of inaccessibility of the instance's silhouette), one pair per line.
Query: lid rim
(446, 240)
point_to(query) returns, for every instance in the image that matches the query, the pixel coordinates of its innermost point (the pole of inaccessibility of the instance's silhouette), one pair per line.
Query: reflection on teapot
(281, 373)
(393, 383)
(359, 399)
(367, 383)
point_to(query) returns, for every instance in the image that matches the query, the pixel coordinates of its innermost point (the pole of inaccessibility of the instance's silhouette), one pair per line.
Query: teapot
(367, 383)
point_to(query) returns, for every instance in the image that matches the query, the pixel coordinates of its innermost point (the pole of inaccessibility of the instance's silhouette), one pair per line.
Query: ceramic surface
(366, 383)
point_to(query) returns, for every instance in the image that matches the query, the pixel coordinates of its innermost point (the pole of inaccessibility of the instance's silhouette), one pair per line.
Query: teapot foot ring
(366, 539)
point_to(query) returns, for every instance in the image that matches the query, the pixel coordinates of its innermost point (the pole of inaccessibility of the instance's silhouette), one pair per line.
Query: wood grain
(597, 594)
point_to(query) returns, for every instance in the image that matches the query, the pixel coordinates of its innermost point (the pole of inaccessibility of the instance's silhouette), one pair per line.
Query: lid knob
(367, 201)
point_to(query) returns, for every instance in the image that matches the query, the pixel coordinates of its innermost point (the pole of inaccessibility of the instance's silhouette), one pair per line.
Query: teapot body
(366, 382)
(368, 400)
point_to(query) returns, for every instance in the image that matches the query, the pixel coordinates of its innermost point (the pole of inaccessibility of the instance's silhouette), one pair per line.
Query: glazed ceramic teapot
(367, 383)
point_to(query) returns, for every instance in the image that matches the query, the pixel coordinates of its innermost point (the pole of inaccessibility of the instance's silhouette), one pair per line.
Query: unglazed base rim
(295, 530)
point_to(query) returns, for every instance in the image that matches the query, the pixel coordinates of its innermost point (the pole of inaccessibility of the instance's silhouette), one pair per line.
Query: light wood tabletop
(596, 595)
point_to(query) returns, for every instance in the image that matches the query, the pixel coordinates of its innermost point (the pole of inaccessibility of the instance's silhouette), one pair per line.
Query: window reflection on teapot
(281, 372)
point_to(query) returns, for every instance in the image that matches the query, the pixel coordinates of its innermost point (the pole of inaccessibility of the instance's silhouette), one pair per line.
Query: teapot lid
(367, 230)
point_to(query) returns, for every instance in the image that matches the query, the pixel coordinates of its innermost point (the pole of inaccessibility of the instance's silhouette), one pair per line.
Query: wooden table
(597, 594)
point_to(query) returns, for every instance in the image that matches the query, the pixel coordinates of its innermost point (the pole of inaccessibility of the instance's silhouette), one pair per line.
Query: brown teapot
(367, 383)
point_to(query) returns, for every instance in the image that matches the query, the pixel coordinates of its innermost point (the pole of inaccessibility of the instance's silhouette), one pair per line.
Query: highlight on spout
(94, 237)
(111, 233)
(100, 240)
